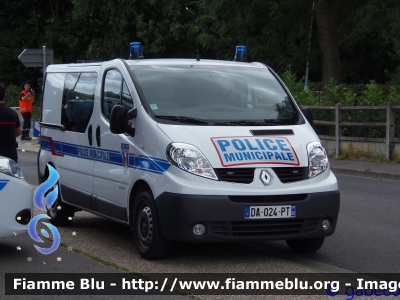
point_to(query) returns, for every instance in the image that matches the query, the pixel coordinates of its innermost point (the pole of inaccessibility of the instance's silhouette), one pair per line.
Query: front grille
(219, 228)
(269, 198)
(311, 225)
(291, 174)
(237, 175)
(246, 175)
(263, 228)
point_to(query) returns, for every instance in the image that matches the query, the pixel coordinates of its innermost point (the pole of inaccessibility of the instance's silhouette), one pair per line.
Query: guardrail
(339, 125)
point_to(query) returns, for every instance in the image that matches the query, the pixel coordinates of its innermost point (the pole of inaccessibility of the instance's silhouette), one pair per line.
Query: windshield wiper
(184, 119)
(245, 123)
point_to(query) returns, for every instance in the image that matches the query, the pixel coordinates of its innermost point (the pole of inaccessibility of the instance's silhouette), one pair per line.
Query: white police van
(186, 150)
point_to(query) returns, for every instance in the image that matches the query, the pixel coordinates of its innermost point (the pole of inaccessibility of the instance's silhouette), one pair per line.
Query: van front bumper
(224, 221)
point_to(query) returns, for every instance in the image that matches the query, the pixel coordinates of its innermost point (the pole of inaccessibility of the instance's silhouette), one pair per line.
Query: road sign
(36, 57)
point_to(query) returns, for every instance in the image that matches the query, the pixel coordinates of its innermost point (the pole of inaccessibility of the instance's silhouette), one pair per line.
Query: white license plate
(270, 212)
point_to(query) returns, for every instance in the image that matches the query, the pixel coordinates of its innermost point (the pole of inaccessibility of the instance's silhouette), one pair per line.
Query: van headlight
(190, 159)
(10, 167)
(317, 159)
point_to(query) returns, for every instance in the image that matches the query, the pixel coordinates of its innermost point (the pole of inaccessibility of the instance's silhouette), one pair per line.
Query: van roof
(186, 61)
(159, 62)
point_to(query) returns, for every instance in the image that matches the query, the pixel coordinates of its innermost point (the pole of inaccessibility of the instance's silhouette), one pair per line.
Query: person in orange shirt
(26, 99)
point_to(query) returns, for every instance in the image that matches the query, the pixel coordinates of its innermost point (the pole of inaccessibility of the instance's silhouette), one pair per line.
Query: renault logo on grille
(265, 177)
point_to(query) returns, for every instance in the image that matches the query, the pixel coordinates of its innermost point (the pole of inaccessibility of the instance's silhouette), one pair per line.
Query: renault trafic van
(186, 150)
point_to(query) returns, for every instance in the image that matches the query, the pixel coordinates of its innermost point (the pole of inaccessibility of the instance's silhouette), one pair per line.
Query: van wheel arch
(58, 217)
(47, 172)
(139, 187)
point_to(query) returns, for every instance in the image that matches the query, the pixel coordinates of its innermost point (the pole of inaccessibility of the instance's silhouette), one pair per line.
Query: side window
(115, 91)
(53, 89)
(78, 100)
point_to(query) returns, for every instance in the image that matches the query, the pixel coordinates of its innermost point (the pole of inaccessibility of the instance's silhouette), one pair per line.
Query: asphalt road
(367, 235)
(366, 239)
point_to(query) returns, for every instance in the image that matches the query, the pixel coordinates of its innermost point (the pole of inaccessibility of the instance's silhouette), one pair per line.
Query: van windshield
(215, 95)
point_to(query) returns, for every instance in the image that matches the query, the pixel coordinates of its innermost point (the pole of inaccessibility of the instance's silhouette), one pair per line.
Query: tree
(354, 41)
(274, 31)
(325, 11)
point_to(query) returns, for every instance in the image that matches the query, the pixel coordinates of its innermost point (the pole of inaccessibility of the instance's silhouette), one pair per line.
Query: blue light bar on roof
(241, 54)
(136, 51)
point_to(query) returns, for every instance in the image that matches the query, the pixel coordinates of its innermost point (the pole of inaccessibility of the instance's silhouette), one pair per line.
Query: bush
(12, 95)
(394, 95)
(297, 89)
(372, 95)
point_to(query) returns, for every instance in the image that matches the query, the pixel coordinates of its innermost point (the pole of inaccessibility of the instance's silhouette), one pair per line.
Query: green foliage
(378, 158)
(334, 93)
(12, 95)
(275, 31)
(370, 94)
(36, 111)
(297, 89)
(394, 95)
(344, 155)
(369, 36)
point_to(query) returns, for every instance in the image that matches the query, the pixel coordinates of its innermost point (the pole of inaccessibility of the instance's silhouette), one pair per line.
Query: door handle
(90, 135)
(98, 136)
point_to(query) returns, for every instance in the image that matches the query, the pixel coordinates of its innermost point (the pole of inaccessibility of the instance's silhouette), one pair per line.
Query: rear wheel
(60, 214)
(149, 240)
(305, 246)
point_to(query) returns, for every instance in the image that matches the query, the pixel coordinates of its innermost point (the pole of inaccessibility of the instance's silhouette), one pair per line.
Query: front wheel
(305, 246)
(147, 233)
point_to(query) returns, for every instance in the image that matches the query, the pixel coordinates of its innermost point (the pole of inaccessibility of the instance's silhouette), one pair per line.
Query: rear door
(76, 165)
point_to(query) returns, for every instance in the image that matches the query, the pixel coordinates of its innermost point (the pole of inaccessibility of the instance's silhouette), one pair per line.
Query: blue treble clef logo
(51, 197)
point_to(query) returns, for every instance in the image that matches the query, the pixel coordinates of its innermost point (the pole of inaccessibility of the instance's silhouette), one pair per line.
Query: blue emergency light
(136, 51)
(241, 54)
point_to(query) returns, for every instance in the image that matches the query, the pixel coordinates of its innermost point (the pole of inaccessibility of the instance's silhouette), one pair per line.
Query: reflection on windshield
(215, 94)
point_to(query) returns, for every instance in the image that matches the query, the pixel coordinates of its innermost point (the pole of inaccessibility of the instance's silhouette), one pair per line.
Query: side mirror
(120, 120)
(132, 113)
(307, 112)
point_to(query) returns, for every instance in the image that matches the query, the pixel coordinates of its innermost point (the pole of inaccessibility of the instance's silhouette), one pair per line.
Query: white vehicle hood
(236, 146)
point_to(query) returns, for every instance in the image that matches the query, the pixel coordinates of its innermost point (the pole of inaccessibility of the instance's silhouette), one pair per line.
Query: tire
(60, 217)
(147, 233)
(305, 246)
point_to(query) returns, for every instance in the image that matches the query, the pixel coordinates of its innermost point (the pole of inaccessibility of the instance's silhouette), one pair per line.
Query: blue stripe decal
(151, 164)
(3, 183)
(140, 162)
